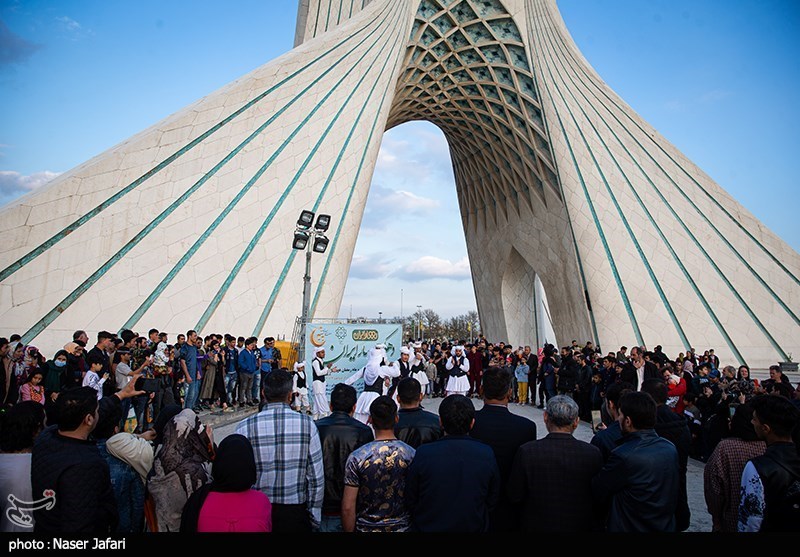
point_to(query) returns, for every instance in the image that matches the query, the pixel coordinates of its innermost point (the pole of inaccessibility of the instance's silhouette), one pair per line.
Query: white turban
(453, 350)
(318, 350)
(298, 365)
(405, 350)
(380, 346)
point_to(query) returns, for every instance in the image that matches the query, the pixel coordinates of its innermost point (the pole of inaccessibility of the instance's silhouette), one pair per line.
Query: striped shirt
(288, 457)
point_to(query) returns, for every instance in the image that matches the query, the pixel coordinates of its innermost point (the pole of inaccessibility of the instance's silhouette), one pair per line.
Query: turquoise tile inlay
(697, 243)
(257, 330)
(94, 277)
(713, 199)
(72, 227)
(212, 307)
(625, 223)
(581, 270)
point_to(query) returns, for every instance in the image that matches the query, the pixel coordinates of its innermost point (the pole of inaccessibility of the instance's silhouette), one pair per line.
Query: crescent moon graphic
(317, 337)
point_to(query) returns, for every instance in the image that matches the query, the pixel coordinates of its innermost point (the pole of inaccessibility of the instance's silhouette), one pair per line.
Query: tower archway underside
(466, 71)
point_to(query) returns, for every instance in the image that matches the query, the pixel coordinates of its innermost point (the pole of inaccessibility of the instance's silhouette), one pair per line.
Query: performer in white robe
(418, 362)
(458, 366)
(320, 395)
(300, 388)
(375, 375)
(403, 365)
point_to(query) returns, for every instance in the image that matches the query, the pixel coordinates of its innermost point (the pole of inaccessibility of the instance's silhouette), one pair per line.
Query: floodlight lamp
(300, 240)
(306, 220)
(323, 222)
(320, 243)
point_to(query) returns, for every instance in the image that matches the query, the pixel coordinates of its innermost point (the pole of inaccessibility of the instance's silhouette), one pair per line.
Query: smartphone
(147, 385)
(597, 419)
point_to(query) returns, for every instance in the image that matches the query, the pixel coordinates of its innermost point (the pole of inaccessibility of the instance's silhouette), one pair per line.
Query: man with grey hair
(552, 477)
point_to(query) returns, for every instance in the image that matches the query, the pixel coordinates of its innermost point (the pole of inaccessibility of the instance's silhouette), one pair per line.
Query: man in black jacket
(67, 466)
(415, 426)
(453, 483)
(771, 482)
(644, 370)
(674, 428)
(567, 373)
(505, 433)
(339, 434)
(641, 479)
(552, 477)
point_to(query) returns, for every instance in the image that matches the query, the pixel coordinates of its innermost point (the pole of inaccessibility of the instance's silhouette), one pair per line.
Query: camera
(147, 385)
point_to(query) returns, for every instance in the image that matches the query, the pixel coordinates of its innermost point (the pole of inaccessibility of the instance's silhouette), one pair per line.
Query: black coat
(80, 478)
(641, 480)
(505, 433)
(675, 429)
(451, 486)
(416, 427)
(650, 372)
(339, 435)
(568, 375)
(552, 479)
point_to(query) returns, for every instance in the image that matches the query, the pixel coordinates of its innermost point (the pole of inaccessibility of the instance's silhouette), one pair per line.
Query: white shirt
(640, 374)
(91, 379)
(464, 365)
(123, 375)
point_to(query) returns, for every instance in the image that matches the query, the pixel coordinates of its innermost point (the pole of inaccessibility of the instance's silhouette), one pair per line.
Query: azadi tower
(189, 224)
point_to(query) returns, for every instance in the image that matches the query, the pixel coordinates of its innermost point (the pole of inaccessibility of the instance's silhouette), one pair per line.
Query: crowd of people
(110, 439)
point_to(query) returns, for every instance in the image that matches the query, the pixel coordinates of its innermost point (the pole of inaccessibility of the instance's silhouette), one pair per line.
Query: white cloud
(369, 267)
(14, 184)
(69, 23)
(430, 267)
(400, 200)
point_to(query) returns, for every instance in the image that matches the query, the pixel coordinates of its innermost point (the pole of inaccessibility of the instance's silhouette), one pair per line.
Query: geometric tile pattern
(188, 224)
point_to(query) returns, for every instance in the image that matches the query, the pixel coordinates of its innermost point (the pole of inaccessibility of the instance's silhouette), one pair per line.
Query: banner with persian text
(346, 347)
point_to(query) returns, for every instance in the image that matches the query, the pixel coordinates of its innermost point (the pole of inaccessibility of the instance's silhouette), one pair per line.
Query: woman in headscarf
(55, 375)
(181, 466)
(164, 417)
(76, 365)
(18, 372)
(228, 504)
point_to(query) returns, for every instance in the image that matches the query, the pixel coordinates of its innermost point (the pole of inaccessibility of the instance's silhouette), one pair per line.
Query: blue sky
(718, 78)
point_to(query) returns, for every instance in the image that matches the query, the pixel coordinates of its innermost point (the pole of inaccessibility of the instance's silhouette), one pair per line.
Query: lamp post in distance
(419, 328)
(311, 240)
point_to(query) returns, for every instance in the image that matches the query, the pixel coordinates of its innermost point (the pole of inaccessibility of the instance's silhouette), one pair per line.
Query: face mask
(59, 363)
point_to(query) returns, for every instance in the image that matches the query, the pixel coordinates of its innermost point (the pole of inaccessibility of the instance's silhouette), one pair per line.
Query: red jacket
(677, 391)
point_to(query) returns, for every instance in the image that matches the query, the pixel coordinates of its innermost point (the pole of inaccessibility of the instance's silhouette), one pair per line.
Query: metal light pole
(419, 317)
(309, 239)
(306, 305)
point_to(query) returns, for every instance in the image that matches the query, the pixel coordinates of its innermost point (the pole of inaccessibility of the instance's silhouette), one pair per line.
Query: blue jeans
(231, 380)
(192, 390)
(139, 405)
(331, 524)
(256, 392)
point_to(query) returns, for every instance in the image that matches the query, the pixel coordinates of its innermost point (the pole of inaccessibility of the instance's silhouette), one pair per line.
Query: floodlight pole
(306, 306)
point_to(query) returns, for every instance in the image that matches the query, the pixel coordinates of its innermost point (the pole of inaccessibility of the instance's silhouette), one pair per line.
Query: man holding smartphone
(123, 376)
